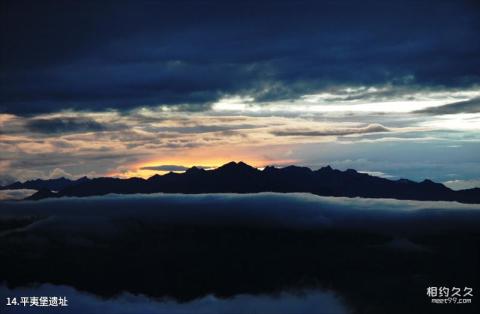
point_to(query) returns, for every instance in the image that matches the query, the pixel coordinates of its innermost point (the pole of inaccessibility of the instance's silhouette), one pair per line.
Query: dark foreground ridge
(241, 178)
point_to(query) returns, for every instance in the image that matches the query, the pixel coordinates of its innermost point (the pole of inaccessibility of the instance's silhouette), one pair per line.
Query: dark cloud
(171, 168)
(371, 128)
(101, 55)
(165, 168)
(64, 125)
(467, 106)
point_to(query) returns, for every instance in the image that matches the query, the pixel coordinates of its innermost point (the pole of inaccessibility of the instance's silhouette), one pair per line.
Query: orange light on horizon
(206, 158)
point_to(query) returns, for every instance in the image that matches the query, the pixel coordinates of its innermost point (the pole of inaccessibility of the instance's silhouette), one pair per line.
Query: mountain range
(242, 178)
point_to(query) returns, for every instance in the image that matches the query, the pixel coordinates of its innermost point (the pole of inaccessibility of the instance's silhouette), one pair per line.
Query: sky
(134, 88)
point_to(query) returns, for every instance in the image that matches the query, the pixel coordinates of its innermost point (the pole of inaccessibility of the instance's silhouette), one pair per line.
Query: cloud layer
(229, 245)
(271, 210)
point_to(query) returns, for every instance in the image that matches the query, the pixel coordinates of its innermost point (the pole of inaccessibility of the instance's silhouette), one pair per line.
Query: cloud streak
(64, 125)
(467, 106)
(371, 128)
(165, 168)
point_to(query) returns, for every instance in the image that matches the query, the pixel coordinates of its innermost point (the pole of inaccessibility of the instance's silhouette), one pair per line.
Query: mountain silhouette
(50, 184)
(242, 178)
